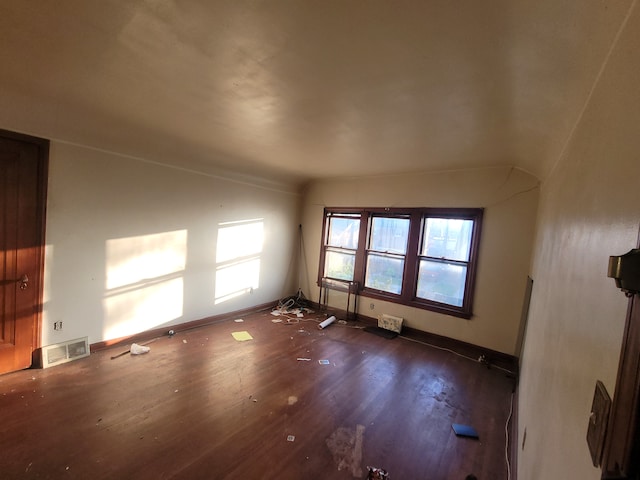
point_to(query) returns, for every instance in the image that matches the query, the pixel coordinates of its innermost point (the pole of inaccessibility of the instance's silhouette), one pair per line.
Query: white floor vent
(65, 352)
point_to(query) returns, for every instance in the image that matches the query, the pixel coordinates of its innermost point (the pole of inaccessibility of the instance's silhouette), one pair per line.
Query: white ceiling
(305, 89)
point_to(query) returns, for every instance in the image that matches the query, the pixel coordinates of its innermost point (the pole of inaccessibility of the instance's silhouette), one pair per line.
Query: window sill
(421, 304)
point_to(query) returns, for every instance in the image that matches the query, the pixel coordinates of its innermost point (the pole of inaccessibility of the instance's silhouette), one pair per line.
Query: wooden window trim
(407, 297)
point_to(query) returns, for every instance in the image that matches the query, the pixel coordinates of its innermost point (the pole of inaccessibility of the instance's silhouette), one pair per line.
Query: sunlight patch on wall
(144, 282)
(48, 268)
(238, 250)
(134, 259)
(142, 308)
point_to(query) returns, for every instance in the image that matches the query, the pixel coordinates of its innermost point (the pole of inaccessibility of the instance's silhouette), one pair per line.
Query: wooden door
(23, 174)
(622, 442)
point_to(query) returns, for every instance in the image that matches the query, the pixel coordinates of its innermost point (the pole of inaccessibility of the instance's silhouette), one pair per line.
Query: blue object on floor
(464, 430)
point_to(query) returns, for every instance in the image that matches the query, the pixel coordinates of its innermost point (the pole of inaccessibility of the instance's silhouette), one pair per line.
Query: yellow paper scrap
(242, 336)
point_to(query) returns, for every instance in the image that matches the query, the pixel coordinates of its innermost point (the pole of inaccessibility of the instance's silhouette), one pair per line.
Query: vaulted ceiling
(303, 89)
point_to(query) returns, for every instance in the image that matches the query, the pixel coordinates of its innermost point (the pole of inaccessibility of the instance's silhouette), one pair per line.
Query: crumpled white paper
(138, 349)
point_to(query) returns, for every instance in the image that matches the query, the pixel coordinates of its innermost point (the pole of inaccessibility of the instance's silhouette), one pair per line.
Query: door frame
(40, 219)
(622, 437)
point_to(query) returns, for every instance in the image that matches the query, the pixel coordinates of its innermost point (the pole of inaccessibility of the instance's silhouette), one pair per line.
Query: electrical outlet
(57, 325)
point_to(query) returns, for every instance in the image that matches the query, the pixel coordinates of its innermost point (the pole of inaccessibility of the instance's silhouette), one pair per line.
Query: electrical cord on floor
(481, 360)
(506, 426)
(506, 433)
(439, 348)
(295, 320)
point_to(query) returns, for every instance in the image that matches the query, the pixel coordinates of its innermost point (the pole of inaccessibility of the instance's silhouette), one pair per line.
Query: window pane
(343, 232)
(389, 234)
(441, 282)
(384, 273)
(339, 265)
(448, 238)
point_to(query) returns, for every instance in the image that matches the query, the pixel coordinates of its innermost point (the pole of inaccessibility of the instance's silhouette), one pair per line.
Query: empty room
(320, 240)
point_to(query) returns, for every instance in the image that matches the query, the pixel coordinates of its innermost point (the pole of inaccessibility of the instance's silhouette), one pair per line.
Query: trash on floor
(291, 438)
(138, 349)
(242, 336)
(464, 430)
(239, 320)
(324, 362)
(327, 322)
(377, 474)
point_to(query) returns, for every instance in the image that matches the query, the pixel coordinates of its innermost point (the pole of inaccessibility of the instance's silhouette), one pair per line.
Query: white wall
(589, 210)
(132, 245)
(510, 198)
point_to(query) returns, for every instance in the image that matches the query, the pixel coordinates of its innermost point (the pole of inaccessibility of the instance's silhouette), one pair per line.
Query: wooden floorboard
(201, 405)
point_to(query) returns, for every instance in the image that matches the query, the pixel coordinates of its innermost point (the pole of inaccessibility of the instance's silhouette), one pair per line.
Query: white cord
(455, 353)
(506, 427)
(506, 445)
(439, 348)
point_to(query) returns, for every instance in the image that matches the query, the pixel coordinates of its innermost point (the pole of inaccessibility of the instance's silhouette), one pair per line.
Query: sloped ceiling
(300, 90)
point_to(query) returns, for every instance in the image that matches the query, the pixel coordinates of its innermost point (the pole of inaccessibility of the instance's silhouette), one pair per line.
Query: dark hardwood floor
(201, 405)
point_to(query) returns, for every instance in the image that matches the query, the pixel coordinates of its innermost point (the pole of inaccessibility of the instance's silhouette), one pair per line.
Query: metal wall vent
(65, 352)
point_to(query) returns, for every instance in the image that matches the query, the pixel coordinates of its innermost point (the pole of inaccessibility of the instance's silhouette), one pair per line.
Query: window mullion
(411, 258)
(363, 240)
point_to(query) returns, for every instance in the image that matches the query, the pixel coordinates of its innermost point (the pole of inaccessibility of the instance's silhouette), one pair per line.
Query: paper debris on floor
(291, 438)
(324, 362)
(242, 336)
(376, 473)
(300, 359)
(239, 320)
(138, 349)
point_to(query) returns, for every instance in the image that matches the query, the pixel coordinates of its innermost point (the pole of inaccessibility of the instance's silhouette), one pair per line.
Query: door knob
(24, 281)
